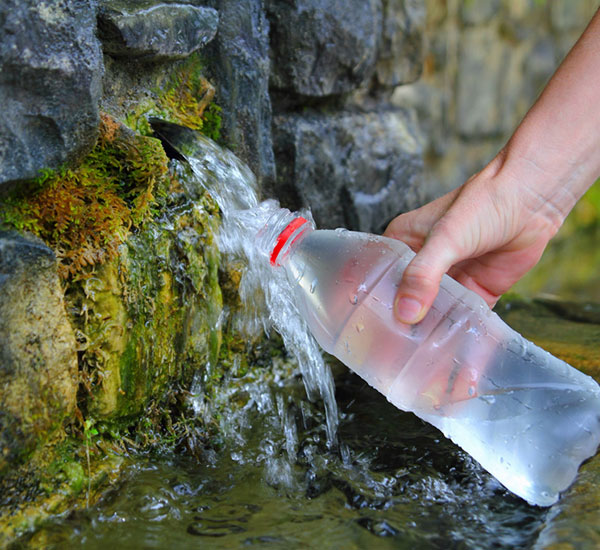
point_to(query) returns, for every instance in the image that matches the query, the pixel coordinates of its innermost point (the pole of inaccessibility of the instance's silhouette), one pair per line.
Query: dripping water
(264, 291)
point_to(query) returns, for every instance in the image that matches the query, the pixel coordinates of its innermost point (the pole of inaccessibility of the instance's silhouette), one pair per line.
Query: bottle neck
(283, 230)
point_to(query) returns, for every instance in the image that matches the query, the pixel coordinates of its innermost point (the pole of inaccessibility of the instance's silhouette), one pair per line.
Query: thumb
(421, 279)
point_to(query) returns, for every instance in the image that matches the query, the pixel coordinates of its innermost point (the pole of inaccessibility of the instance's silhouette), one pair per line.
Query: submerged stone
(156, 30)
(38, 352)
(50, 85)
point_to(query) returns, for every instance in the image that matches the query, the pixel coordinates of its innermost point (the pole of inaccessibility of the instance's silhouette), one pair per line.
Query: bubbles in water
(266, 294)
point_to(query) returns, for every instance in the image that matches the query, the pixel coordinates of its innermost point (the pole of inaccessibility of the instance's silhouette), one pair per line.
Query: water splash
(265, 292)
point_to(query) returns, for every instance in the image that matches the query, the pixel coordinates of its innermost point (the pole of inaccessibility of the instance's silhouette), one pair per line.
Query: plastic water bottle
(527, 417)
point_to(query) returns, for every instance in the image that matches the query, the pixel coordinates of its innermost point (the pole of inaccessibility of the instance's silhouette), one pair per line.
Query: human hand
(486, 234)
(490, 231)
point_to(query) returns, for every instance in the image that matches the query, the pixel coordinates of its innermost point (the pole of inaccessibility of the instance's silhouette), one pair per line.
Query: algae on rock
(38, 359)
(145, 324)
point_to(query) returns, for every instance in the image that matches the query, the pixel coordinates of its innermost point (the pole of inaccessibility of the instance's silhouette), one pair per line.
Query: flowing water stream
(310, 460)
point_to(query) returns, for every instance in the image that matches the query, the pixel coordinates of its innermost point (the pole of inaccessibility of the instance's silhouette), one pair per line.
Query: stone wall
(358, 109)
(334, 105)
(484, 65)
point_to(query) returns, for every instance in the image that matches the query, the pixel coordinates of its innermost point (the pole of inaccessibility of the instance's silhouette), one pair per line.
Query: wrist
(546, 178)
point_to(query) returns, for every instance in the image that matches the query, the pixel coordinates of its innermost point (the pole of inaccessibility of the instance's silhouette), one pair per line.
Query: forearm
(554, 155)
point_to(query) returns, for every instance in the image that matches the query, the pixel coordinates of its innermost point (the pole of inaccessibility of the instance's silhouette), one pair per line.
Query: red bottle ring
(284, 236)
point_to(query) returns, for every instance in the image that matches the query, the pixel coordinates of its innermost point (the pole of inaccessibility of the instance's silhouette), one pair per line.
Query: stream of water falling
(265, 292)
(274, 479)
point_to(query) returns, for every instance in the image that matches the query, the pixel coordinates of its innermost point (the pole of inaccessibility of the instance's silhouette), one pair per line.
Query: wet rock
(50, 84)
(323, 47)
(400, 57)
(155, 30)
(568, 331)
(356, 170)
(38, 358)
(239, 61)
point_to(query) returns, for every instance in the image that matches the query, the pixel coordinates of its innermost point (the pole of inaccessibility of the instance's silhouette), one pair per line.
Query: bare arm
(490, 231)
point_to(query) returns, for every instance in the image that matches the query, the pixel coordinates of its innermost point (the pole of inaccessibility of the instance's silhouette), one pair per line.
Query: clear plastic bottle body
(524, 415)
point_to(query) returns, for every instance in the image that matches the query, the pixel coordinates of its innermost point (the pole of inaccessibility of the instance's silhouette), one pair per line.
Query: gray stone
(474, 12)
(156, 30)
(50, 84)
(482, 63)
(356, 170)
(400, 57)
(38, 357)
(239, 61)
(568, 15)
(323, 47)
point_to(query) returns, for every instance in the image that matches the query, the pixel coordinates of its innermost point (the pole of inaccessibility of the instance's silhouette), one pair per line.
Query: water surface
(392, 482)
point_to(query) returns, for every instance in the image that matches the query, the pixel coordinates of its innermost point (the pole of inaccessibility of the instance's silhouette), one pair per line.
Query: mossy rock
(38, 358)
(569, 331)
(144, 325)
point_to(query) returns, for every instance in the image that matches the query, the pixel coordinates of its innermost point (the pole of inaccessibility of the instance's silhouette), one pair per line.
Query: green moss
(184, 97)
(85, 213)
(146, 325)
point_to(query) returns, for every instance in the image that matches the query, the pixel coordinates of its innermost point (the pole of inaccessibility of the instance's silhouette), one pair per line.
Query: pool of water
(392, 481)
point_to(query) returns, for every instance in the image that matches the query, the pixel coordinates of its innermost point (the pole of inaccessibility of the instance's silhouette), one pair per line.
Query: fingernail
(408, 309)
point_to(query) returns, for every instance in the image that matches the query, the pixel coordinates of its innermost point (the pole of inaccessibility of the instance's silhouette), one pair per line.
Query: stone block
(566, 15)
(155, 30)
(38, 351)
(356, 170)
(50, 85)
(475, 13)
(323, 47)
(400, 57)
(238, 59)
(482, 63)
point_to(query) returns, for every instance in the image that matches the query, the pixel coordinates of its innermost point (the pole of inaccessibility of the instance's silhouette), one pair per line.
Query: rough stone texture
(154, 30)
(478, 12)
(352, 169)
(481, 69)
(568, 15)
(484, 65)
(323, 47)
(50, 84)
(38, 357)
(400, 56)
(239, 61)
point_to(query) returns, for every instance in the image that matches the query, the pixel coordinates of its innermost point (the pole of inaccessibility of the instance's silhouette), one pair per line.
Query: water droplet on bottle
(471, 391)
(501, 460)
(353, 299)
(489, 399)
(359, 327)
(313, 285)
